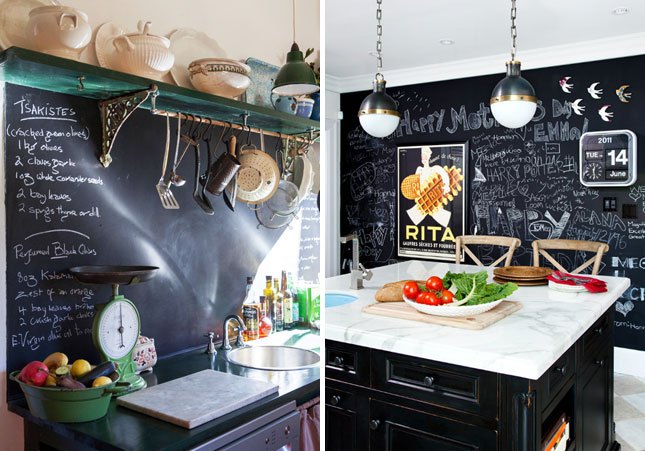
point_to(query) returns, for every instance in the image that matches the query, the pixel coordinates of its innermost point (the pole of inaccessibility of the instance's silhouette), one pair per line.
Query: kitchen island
(124, 429)
(394, 383)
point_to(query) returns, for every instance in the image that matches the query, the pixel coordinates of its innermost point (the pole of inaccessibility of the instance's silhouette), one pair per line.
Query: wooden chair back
(463, 241)
(540, 248)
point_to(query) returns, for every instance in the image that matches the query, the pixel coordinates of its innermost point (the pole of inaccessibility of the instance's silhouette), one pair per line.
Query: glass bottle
(269, 296)
(287, 301)
(295, 309)
(278, 307)
(266, 325)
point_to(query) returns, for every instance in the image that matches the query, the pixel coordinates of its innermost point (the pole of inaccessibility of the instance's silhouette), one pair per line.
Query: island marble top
(524, 344)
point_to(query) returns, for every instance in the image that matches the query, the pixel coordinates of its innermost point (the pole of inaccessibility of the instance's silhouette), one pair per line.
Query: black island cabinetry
(379, 400)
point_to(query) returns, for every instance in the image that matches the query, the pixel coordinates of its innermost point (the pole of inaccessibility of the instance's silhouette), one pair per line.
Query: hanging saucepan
(258, 177)
(303, 175)
(223, 170)
(286, 200)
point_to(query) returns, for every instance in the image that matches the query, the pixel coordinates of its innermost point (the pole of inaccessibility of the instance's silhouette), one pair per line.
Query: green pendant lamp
(295, 78)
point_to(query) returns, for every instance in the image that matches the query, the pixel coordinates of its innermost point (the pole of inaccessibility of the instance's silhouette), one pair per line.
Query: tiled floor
(629, 412)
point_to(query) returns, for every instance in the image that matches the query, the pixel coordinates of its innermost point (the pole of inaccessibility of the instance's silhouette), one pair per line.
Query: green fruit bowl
(67, 405)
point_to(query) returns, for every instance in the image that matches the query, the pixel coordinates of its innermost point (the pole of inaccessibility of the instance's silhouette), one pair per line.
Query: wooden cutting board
(195, 399)
(476, 322)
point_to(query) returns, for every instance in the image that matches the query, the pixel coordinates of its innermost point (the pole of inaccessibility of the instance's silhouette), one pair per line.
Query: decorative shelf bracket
(114, 113)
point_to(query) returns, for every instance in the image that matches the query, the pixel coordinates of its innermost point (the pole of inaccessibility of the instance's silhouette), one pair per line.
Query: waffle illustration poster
(431, 200)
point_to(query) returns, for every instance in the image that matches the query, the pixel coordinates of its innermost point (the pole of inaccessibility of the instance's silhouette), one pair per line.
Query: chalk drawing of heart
(635, 196)
(624, 308)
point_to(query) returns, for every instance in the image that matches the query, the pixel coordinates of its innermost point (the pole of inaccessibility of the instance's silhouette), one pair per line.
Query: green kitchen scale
(117, 324)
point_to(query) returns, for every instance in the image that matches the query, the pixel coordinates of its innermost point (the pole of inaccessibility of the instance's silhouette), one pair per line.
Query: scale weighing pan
(119, 275)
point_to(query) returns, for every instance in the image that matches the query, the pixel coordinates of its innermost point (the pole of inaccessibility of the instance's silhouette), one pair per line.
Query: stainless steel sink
(274, 358)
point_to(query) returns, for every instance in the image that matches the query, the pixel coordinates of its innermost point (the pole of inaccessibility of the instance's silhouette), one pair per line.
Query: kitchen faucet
(358, 271)
(226, 345)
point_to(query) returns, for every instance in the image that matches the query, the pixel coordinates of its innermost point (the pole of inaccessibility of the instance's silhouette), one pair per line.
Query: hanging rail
(205, 120)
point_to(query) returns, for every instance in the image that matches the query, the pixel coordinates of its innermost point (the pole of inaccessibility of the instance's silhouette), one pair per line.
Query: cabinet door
(346, 413)
(395, 428)
(595, 404)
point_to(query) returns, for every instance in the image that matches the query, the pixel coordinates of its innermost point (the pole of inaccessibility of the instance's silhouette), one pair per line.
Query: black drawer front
(346, 362)
(449, 386)
(394, 428)
(340, 398)
(597, 335)
(560, 372)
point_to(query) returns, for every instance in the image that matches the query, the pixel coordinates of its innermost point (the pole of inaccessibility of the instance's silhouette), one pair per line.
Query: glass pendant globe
(379, 125)
(513, 113)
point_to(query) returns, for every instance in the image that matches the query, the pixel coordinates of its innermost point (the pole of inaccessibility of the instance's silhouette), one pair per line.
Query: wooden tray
(522, 283)
(476, 322)
(522, 272)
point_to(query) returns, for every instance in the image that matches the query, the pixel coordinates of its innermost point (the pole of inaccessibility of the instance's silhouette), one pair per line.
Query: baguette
(392, 291)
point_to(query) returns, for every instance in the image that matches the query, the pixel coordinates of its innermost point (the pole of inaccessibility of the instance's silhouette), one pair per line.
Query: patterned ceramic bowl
(220, 76)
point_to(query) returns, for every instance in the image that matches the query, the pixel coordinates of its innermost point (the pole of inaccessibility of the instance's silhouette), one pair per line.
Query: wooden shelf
(38, 70)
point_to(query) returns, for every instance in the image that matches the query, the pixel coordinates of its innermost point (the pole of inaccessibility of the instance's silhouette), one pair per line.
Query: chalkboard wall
(64, 209)
(523, 182)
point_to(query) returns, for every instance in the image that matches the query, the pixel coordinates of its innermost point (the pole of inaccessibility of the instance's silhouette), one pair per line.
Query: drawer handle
(374, 424)
(287, 430)
(599, 330)
(428, 381)
(338, 361)
(334, 400)
(561, 369)
(600, 362)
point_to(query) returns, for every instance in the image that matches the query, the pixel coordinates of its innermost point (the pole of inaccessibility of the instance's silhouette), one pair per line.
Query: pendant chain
(513, 29)
(379, 32)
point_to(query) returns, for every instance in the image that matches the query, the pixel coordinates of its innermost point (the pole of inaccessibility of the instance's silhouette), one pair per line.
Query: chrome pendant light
(513, 101)
(378, 114)
(295, 78)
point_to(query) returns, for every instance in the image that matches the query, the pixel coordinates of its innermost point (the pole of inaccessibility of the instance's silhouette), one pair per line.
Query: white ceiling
(412, 29)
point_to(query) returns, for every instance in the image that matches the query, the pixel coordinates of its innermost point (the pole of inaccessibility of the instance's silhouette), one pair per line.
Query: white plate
(105, 51)
(566, 288)
(189, 45)
(14, 16)
(453, 311)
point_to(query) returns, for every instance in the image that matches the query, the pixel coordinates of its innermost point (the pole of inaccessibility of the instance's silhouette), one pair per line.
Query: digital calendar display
(608, 158)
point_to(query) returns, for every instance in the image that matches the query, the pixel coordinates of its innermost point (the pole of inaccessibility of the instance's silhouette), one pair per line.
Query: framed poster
(431, 199)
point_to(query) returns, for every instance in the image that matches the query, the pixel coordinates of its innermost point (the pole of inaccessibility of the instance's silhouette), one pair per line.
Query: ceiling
(412, 29)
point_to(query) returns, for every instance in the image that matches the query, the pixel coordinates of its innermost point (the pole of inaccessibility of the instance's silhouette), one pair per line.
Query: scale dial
(118, 328)
(593, 171)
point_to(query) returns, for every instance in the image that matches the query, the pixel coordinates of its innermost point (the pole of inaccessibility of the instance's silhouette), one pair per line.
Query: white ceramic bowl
(453, 311)
(58, 30)
(143, 54)
(220, 76)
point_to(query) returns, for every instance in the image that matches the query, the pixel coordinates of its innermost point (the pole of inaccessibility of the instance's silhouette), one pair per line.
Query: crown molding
(579, 52)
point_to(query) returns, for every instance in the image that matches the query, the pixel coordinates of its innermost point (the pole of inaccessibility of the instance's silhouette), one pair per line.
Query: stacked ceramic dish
(522, 275)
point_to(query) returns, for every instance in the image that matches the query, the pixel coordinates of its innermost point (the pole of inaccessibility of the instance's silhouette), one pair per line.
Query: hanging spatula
(166, 196)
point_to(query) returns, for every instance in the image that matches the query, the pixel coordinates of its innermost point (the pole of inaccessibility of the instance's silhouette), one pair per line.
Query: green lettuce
(472, 288)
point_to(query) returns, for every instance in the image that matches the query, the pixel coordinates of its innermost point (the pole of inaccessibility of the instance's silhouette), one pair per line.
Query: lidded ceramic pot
(58, 30)
(143, 54)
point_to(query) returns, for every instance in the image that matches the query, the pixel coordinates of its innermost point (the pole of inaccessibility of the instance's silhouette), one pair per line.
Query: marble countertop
(524, 344)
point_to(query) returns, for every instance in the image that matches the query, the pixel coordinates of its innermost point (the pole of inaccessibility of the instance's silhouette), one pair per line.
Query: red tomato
(447, 297)
(423, 298)
(433, 299)
(411, 290)
(434, 283)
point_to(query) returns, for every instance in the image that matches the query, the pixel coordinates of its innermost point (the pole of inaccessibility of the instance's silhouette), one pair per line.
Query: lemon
(50, 381)
(101, 380)
(80, 368)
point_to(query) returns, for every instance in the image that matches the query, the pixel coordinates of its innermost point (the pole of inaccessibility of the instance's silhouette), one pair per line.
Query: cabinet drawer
(347, 362)
(394, 428)
(560, 372)
(341, 399)
(450, 386)
(598, 334)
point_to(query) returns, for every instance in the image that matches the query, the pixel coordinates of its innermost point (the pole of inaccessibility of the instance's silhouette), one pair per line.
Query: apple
(34, 373)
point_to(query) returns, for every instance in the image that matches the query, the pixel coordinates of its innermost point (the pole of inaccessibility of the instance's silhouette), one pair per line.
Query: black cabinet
(378, 400)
